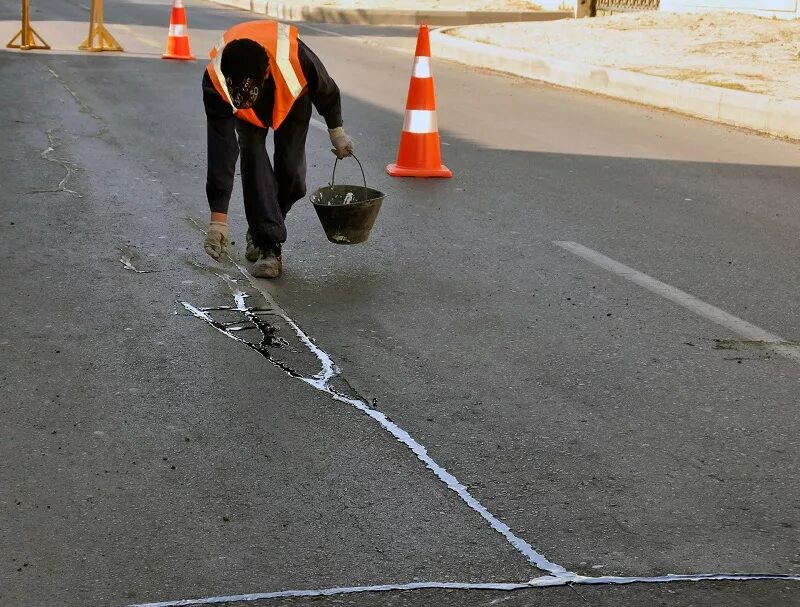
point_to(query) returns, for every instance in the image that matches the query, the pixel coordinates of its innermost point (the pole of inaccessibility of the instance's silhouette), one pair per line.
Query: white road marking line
(690, 302)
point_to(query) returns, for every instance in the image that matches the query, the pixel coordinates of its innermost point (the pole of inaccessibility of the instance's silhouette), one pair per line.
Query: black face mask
(245, 93)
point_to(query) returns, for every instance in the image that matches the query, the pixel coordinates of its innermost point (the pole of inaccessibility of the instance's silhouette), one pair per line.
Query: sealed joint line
(323, 592)
(453, 484)
(673, 577)
(321, 382)
(683, 299)
(542, 582)
(267, 340)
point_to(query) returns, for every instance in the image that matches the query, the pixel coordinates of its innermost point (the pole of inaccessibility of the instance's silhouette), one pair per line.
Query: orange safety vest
(280, 42)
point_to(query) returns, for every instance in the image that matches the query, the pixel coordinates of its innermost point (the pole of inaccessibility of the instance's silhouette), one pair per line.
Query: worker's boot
(269, 263)
(250, 251)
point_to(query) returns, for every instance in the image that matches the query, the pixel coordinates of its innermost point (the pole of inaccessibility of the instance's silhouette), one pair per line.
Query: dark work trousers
(269, 190)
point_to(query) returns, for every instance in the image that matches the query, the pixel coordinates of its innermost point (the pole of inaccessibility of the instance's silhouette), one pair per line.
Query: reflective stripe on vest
(283, 53)
(280, 42)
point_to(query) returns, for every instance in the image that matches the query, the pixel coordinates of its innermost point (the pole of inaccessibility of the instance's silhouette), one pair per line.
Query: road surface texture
(577, 358)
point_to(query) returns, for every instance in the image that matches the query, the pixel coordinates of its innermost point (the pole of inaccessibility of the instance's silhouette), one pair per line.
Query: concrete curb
(323, 14)
(763, 113)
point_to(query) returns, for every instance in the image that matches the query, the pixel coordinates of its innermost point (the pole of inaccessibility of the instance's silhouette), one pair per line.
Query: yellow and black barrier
(27, 36)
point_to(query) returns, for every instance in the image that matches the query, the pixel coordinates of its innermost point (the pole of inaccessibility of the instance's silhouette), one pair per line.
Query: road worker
(262, 76)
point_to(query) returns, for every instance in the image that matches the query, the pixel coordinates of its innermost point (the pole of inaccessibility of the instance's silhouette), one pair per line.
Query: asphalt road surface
(577, 358)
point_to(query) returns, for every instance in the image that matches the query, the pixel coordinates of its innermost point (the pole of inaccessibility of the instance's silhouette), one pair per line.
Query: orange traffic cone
(419, 154)
(178, 40)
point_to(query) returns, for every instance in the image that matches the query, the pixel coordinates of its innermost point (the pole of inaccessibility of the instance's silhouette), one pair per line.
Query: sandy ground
(447, 5)
(737, 51)
(732, 50)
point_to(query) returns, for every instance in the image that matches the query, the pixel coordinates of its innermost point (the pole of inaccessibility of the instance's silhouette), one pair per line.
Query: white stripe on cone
(420, 121)
(177, 30)
(422, 67)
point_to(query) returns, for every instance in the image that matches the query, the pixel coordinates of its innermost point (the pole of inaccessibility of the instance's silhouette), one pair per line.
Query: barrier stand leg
(99, 38)
(27, 35)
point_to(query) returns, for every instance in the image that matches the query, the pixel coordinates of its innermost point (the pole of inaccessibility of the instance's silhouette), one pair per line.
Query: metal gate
(627, 5)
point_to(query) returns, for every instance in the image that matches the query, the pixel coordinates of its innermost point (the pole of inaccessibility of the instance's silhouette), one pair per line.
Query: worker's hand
(216, 241)
(342, 142)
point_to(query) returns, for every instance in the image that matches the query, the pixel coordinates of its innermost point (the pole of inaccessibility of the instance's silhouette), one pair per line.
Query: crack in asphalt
(127, 256)
(81, 104)
(125, 260)
(69, 167)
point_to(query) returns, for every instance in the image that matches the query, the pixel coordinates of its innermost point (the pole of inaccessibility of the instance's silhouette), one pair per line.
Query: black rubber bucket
(347, 212)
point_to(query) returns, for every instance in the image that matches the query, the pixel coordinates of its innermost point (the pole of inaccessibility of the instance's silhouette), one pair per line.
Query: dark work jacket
(320, 87)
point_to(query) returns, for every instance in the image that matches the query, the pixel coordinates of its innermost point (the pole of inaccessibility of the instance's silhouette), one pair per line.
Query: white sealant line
(673, 577)
(320, 382)
(452, 483)
(690, 302)
(543, 582)
(336, 591)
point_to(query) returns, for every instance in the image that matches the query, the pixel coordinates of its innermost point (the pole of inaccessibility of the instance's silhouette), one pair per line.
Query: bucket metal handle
(333, 175)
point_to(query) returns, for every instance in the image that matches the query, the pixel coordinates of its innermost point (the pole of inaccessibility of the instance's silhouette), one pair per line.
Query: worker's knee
(291, 187)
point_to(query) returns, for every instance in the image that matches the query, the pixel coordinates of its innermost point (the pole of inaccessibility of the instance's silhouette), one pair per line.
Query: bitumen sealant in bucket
(347, 212)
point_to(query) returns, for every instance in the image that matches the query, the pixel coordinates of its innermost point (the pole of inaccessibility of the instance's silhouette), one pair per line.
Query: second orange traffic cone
(178, 40)
(419, 154)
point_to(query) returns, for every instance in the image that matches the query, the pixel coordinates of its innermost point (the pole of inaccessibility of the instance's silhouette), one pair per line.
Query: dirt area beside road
(732, 50)
(419, 5)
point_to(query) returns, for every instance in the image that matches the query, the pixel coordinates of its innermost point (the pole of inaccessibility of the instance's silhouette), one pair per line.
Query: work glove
(216, 241)
(342, 142)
